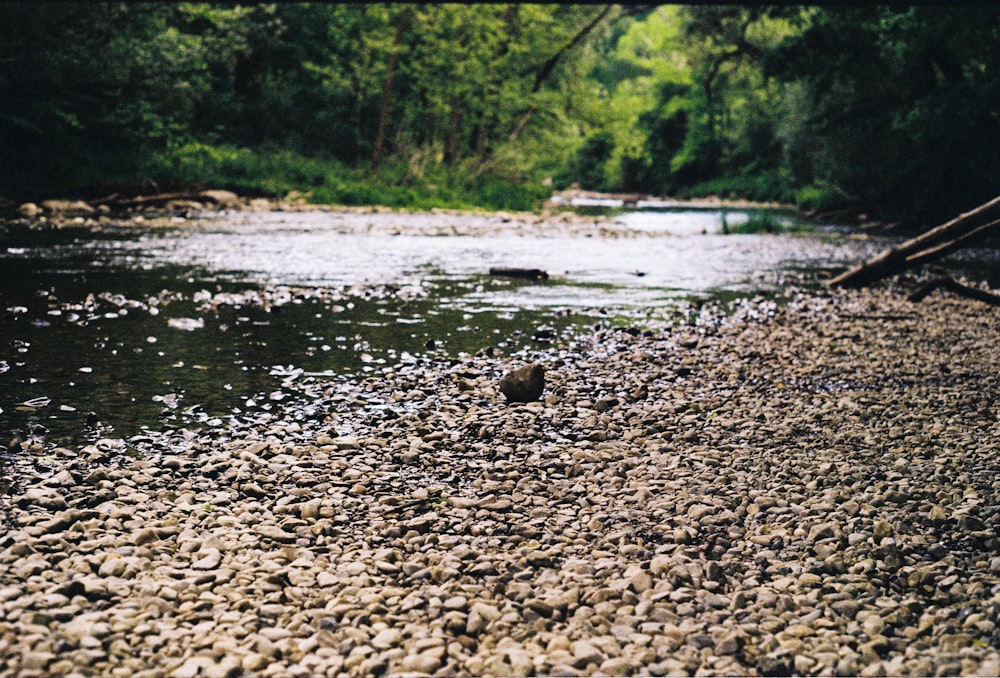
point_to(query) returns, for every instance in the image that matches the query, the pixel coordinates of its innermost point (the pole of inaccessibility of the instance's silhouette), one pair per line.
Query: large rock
(524, 384)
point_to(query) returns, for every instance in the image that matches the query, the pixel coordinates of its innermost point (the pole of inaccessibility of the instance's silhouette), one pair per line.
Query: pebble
(813, 496)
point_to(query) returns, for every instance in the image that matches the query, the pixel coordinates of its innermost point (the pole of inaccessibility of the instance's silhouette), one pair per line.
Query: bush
(328, 181)
(819, 197)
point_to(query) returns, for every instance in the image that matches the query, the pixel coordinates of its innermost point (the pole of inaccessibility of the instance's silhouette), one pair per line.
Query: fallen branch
(958, 288)
(933, 244)
(116, 200)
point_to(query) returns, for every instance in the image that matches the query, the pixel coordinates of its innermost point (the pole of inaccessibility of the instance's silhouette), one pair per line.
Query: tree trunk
(931, 245)
(383, 115)
(454, 129)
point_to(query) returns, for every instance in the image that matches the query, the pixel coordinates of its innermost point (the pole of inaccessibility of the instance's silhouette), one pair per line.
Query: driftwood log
(116, 200)
(523, 273)
(926, 247)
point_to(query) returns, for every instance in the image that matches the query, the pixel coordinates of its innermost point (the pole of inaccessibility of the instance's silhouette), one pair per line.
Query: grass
(765, 221)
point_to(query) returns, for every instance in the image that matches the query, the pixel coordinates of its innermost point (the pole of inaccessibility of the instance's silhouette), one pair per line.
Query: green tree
(901, 105)
(87, 90)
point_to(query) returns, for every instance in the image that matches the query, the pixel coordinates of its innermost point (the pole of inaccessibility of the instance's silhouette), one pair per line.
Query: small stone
(605, 404)
(729, 644)
(937, 515)
(36, 661)
(206, 666)
(541, 607)
(209, 560)
(523, 385)
(456, 603)
(62, 479)
(68, 207)
(42, 497)
(113, 567)
(660, 564)
(585, 654)
(276, 533)
(221, 198)
(274, 634)
(883, 530)
(873, 625)
(486, 611)
(424, 662)
(682, 536)
(387, 638)
(499, 505)
(775, 665)
(810, 580)
(821, 531)
(617, 666)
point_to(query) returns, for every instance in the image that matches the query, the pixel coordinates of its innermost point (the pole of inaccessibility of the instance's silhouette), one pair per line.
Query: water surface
(114, 332)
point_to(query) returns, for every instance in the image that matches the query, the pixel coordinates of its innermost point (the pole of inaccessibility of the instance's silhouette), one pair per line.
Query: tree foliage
(891, 107)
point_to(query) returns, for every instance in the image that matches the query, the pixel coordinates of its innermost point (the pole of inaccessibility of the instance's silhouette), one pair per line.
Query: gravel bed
(808, 487)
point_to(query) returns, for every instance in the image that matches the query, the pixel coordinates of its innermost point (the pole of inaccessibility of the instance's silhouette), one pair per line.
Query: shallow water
(125, 330)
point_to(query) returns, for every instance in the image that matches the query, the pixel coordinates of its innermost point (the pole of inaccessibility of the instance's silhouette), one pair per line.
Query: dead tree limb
(553, 61)
(958, 288)
(946, 248)
(115, 200)
(932, 244)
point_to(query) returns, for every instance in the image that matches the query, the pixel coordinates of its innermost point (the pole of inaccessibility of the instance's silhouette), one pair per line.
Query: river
(119, 330)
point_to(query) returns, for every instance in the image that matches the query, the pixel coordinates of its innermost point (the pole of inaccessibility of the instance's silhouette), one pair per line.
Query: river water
(114, 332)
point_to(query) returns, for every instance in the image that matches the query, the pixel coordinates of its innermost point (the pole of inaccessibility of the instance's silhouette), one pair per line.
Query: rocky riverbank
(803, 489)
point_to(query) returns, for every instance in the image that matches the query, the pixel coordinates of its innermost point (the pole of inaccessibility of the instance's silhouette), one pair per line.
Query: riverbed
(755, 477)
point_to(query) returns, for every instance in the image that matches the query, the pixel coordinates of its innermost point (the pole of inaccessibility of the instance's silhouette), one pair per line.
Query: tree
(903, 104)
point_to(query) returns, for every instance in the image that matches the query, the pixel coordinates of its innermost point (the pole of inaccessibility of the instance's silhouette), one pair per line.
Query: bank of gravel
(808, 488)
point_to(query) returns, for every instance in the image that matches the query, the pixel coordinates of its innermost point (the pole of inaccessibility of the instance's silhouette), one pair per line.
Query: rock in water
(524, 384)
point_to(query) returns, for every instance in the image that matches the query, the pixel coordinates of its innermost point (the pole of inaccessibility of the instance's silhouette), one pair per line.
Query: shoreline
(803, 489)
(559, 206)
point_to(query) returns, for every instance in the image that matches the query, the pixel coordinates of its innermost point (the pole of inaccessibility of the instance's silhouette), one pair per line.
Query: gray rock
(523, 385)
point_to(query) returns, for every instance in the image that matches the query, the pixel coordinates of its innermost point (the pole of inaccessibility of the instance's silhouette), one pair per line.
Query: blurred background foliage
(893, 111)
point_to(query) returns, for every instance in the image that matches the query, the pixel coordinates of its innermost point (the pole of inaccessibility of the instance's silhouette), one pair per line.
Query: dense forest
(893, 110)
